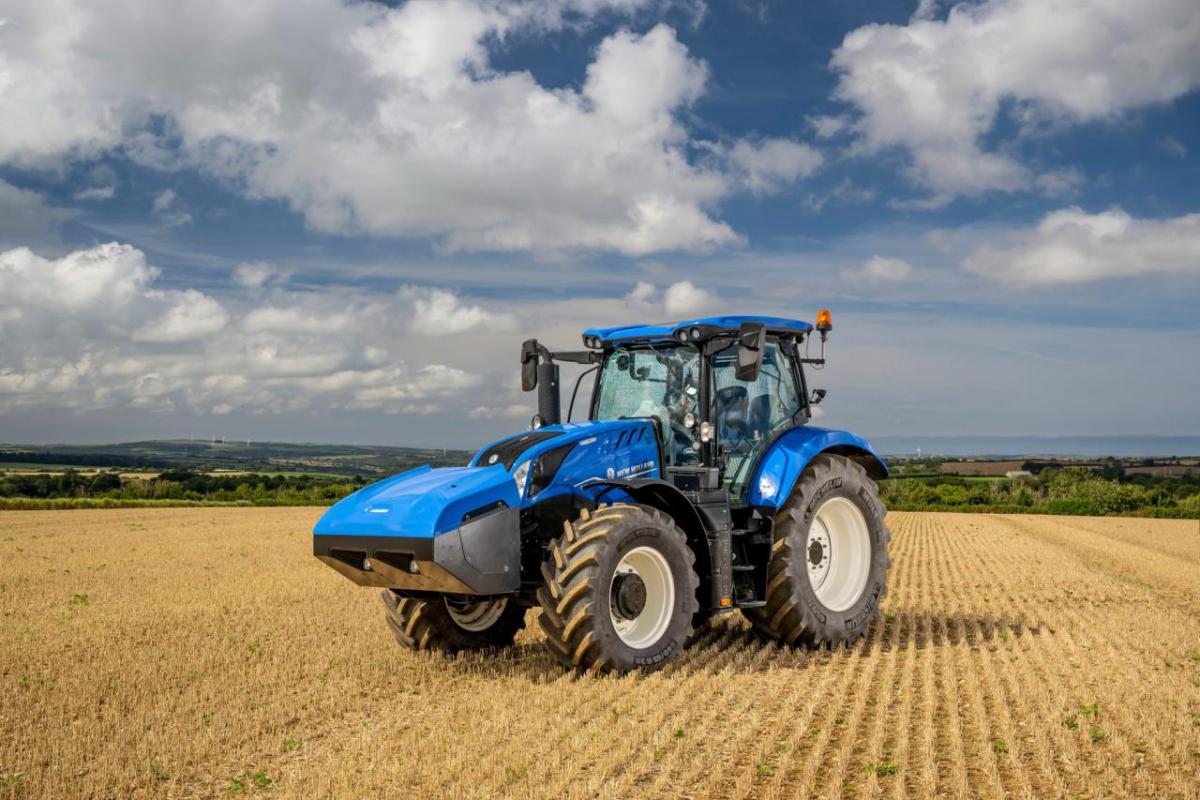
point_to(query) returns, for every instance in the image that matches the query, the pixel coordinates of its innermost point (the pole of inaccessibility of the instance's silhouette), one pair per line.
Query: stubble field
(168, 653)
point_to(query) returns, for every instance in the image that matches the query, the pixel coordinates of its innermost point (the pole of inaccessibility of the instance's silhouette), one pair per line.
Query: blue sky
(336, 222)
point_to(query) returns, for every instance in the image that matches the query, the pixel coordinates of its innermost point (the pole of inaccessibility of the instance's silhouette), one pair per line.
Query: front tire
(620, 590)
(829, 561)
(452, 624)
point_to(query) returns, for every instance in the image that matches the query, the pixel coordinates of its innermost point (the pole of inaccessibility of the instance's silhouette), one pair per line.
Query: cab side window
(748, 414)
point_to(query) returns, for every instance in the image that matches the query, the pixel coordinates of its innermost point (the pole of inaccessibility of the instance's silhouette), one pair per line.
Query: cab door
(747, 415)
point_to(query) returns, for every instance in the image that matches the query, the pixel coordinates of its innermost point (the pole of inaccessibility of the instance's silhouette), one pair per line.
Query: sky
(314, 220)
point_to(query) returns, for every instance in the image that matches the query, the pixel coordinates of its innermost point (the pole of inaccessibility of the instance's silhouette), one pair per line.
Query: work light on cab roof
(693, 485)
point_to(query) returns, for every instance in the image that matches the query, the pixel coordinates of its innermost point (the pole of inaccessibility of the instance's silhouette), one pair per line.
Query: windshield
(662, 382)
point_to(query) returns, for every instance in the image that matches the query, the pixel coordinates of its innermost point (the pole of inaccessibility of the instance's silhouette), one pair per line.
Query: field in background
(205, 653)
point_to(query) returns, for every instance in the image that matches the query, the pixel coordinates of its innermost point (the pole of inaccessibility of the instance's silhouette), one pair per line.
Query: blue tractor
(695, 487)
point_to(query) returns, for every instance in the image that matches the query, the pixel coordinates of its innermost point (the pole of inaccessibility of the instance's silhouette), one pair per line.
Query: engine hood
(564, 457)
(423, 502)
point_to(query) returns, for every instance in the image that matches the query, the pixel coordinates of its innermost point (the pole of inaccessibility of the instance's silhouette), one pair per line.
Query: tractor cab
(709, 417)
(720, 390)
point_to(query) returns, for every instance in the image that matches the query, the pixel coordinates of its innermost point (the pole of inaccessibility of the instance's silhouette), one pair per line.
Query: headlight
(521, 476)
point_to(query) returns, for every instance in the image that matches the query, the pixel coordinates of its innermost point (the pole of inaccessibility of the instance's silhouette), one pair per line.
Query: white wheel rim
(648, 626)
(478, 615)
(838, 554)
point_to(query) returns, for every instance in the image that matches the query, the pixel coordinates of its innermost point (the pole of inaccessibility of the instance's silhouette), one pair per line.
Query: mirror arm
(575, 356)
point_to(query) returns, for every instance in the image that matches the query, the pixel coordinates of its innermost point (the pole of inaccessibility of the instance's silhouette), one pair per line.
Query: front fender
(786, 458)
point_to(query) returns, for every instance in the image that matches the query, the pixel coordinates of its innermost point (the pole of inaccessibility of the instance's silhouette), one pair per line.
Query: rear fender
(788, 456)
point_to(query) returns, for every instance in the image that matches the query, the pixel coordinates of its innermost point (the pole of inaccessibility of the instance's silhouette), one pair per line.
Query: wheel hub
(819, 553)
(628, 595)
(641, 597)
(816, 553)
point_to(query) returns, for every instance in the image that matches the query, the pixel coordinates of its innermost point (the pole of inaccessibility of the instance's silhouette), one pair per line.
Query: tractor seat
(759, 417)
(731, 407)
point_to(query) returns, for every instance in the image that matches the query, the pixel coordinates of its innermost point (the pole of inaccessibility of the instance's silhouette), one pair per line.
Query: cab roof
(665, 331)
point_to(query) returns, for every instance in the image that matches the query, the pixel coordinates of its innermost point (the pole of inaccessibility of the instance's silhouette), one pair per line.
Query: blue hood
(423, 502)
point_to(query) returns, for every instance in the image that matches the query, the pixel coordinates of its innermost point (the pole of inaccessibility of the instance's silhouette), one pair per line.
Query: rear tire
(452, 624)
(620, 590)
(829, 562)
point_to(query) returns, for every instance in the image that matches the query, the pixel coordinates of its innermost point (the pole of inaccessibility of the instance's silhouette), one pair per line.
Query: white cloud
(827, 126)
(92, 330)
(643, 293)
(1059, 183)
(846, 192)
(1072, 246)
(937, 87)
(169, 208)
(192, 315)
(258, 274)
(768, 166)
(677, 301)
(376, 120)
(437, 311)
(684, 299)
(96, 193)
(91, 281)
(881, 269)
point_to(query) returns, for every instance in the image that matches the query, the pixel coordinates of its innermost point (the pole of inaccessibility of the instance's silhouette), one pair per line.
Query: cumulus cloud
(880, 269)
(770, 165)
(384, 121)
(437, 311)
(93, 330)
(679, 300)
(1072, 246)
(191, 315)
(937, 87)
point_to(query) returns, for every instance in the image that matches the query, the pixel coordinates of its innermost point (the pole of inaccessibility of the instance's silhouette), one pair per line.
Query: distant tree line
(174, 487)
(103, 460)
(1073, 490)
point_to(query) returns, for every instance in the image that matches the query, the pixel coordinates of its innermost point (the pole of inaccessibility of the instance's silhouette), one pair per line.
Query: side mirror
(529, 365)
(751, 338)
(817, 396)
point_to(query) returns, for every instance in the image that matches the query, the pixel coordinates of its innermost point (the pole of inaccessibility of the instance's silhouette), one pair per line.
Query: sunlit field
(165, 653)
